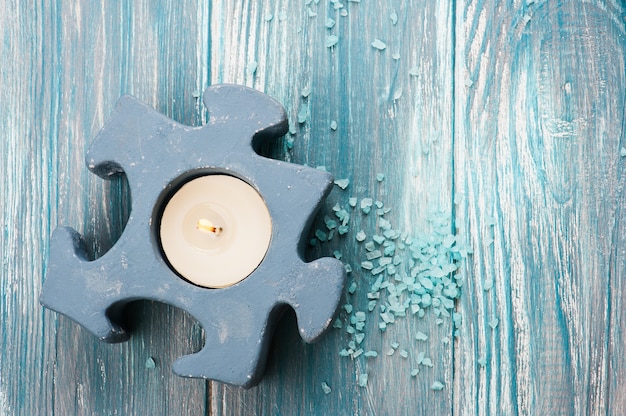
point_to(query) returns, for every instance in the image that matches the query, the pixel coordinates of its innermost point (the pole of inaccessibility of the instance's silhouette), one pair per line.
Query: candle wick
(207, 226)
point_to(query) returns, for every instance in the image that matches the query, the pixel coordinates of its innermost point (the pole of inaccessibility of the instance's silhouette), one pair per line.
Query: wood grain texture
(513, 124)
(64, 66)
(388, 121)
(540, 116)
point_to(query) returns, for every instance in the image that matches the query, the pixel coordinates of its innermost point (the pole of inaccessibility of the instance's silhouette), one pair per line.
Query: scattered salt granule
(437, 385)
(150, 363)
(379, 44)
(342, 183)
(326, 388)
(394, 18)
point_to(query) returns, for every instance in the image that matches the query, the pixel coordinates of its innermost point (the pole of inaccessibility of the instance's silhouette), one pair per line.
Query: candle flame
(207, 226)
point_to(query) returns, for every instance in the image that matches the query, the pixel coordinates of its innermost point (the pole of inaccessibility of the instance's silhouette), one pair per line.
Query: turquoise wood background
(508, 115)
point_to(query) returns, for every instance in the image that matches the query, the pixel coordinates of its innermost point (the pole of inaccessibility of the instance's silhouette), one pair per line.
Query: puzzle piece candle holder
(215, 229)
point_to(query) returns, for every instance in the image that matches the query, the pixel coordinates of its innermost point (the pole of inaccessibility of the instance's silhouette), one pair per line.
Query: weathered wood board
(538, 140)
(506, 118)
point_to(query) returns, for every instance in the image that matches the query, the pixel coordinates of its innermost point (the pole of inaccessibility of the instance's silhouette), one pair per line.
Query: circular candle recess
(215, 230)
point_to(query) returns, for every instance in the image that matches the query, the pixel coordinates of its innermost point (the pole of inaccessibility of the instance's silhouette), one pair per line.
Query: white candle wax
(215, 230)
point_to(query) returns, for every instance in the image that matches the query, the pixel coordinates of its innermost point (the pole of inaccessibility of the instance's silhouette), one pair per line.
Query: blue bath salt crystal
(150, 363)
(420, 336)
(367, 265)
(437, 386)
(342, 183)
(331, 41)
(388, 317)
(384, 261)
(378, 239)
(326, 388)
(384, 224)
(303, 115)
(379, 44)
(447, 303)
(366, 205)
(321, 235)
(373, 254)
(378, 270)
(394, 18)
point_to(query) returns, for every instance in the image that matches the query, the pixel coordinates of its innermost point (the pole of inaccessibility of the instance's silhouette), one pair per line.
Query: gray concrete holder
(158, 155)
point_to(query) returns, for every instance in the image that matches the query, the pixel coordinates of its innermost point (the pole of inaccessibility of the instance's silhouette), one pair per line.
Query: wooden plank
(388, 121)
(540, 123)
(533, 97)
(64, 66)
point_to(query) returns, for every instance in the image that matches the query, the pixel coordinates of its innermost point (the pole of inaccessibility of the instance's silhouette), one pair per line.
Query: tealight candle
(215, 230)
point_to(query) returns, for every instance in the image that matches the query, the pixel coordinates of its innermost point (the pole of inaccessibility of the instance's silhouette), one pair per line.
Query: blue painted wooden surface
(507, 115)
